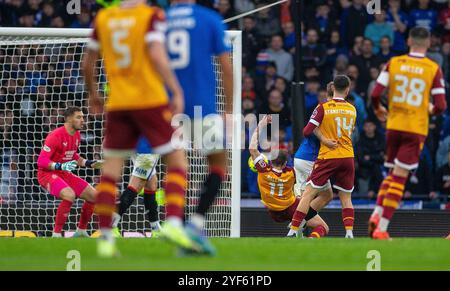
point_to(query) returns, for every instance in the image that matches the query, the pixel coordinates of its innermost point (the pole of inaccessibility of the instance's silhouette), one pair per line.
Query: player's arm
(257, 157)
(93, 164)
(313, 127)
(88, 66)
(45, 157)
(438, 92)
(381, 84)
(155, 39)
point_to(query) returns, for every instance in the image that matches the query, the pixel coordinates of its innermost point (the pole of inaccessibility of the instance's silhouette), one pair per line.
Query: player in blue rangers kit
(304, 160)
(143, 177)
(194, 35)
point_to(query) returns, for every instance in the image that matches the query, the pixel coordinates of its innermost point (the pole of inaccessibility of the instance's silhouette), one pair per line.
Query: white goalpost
(40, 75)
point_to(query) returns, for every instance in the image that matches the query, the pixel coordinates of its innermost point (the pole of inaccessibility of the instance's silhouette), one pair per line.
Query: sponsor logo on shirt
(47, 148)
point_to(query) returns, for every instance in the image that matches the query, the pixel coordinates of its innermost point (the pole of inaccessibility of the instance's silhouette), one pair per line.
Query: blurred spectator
(446, 60)
(266, 26)
(434, 52)
(289, 36)
(275, 105)
(314, 54)
(370, 159)
(423, 16)
(441, 154)
(364, 62)
(442, 178)
(224, 8)
(265, 82)
(359, 104)
(398, 19)
(248, 88)
(283, 60)
(353, 21)
(280, 85)
(83, 20)
(321, 21)
(385, 53)
(250, 44)
(48, 13)
(27, 20)
(57, 22)
(444, 21)
(311, 97)
(334, 48)
(357, 46)
(378, 29)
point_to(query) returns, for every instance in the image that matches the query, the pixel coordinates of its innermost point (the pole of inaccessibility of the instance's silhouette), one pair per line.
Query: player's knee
(67, 194)
(152, 184)
(177, 159)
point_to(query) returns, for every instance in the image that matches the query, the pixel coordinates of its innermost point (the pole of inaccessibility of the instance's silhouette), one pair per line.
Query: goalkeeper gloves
(68, 166)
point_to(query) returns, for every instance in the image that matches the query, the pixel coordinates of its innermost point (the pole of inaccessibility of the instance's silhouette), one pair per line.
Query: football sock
(105, 204)
(381, 195)
(392, 200)
(175, 189)
(348, 218)
(210, 189)
(318, 232)
(61, 215)
(297, 219)
(126, 199)
(86, 214)
(151, 206)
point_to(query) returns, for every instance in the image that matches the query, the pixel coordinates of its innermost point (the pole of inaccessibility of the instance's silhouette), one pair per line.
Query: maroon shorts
(285, 215)
(342, 171)
(124, 127)
(403, 149)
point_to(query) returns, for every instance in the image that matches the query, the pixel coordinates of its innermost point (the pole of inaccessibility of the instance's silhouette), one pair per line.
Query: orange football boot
(373, 223)
(448, 237)
(381, 235)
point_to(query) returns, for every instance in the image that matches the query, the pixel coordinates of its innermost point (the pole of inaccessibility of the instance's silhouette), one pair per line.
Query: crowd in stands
(339, 37)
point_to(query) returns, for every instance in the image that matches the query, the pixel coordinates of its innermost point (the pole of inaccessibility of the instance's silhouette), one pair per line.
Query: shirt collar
(417, 55)
(338, 98)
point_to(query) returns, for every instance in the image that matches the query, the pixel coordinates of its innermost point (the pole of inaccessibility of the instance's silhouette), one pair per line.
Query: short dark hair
(419, 33)
(281, 158)
(71, 111)
(341, 83)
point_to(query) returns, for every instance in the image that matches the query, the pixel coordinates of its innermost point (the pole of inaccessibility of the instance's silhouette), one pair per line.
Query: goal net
(40, 73)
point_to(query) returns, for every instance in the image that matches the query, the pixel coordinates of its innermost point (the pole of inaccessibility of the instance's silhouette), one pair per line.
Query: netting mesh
(40, 77)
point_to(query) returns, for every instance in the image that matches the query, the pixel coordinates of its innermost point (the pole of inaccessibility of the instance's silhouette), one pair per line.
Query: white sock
(378, 210)
(198, 220)
(302, 225)
(115, 219)
(107, 234)
(55, 234)
(383, 225)
(292, 232)
(349, 233)
(155, 225)
(175, 221)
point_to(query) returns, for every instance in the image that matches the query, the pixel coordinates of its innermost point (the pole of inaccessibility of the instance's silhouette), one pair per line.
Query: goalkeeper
(58, 158)
(143, 178)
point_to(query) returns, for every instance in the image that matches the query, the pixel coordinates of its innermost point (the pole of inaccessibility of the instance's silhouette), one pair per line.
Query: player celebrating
(411, 80)
(131, 40)
(195, 34)
(144, 178)
(276, 184)
(304, 160)
(335, 120)
(58, 158)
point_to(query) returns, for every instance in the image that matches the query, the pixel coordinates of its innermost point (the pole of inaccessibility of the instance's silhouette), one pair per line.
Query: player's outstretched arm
(254, 152)
(93, 164)
(227, 81)
(158, 55)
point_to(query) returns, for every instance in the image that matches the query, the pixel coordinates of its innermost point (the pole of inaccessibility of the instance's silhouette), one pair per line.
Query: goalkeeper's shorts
(144, 166)
(55, 181)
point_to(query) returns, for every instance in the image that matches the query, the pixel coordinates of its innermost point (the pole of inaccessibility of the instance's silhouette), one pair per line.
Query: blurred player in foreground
(143, 178)
(276, 184)
(58, 158)
(131, 39)
(304, 160)
(412, 80)
(335, 121)
(196, 34)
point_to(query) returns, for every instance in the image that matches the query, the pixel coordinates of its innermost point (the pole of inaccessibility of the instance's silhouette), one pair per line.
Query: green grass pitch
(233, 254)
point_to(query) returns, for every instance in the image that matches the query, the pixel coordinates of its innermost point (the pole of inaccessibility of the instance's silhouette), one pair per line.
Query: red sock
(383, 190)
(175, 189)
(394, 196)
(318, 231)
(105, 204)
(86, 215)
(348, 217)
(297, 219)
(61, 215)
